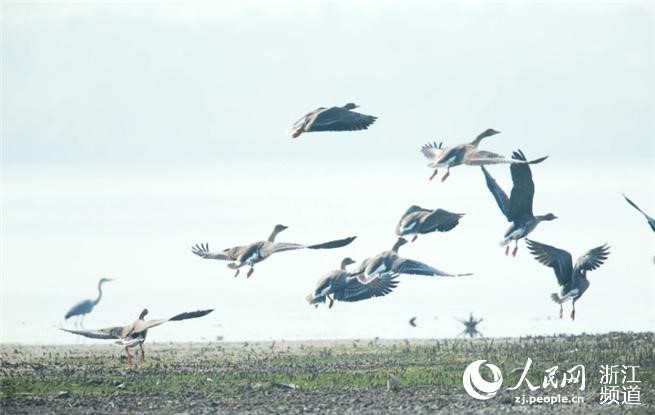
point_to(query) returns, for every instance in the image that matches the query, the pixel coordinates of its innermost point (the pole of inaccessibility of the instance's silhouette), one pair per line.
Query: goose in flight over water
(332, 119)
(417, 220)
(134, 334)
(572, 279)
(467, 153)
(389, 262)
(341, 285)
(83, 308)
(249, 255)
(518, 207)
(650, 219)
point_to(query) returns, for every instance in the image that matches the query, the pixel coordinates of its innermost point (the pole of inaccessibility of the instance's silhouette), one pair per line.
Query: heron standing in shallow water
(83, 308)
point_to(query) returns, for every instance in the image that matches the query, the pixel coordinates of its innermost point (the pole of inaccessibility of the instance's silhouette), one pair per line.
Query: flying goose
(572, 279)
(258, 251)
(341, 285)
(518, 207)
(467, 153)
(650, 219)
(333, 119)
(84, 307)
(134, 334)
(417, 220)
(389, 262)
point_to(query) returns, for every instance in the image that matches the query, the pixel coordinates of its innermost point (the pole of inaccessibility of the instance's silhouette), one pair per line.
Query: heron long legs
(331, 301)
(561, 311)
(573, 311)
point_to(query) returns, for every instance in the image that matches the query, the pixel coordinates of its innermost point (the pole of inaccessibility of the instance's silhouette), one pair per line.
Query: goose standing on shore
(341, 285)
(572, 279)
(332, 119)
(417, 220)
(134, 334)
(389, 262)
(518, 207)
(467, 153)
(83, 308)
(249, 255)
(650, 219)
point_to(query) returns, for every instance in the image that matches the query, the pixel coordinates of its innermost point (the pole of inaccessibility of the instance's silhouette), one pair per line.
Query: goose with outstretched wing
(518, 207)
(389, 262)
(572, 278)
(134, 334)
(650, 219)
(418, 221)
(341, 285)
(463, 154)
(249, 255)
(332, 119)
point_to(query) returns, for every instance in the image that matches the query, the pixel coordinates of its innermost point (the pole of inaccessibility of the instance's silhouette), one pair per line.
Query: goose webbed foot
(443, 179)
(561, 312)
(236, 274)
(506, 250)
(434, 174)
(250, 271)
(516, 248)
(129, 356)
(143, 354)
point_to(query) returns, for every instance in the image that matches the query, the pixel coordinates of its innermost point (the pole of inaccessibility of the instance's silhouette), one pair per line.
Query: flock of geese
(378, 275)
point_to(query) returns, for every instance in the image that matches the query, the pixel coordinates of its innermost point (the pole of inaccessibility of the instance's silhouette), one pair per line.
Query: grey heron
(84, 307)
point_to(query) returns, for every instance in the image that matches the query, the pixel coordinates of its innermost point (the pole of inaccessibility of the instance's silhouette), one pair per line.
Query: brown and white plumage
(249, 255)
(572, 278)
(134, 334)
(332, 119)
(341, 285)
(467, 154)
(417, 220)
(389, 262)
(517, 208)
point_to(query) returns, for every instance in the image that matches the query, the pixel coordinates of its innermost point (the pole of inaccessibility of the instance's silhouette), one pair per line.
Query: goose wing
(269, 249)
(340, 119)
(498, 193)
(555, 258)
(520, 200)
(377, 287)
(594, 258)
(107, 333)
(202, 250)
(433, 151)
(141, 325)
(409, 266)
(651, 221)
(440, 220)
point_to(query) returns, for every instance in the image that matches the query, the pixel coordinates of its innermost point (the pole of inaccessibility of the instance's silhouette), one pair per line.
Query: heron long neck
(99, 293)
(274, 234)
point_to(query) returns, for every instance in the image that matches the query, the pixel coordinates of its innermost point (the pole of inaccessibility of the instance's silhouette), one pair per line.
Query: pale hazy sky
(132, 131)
